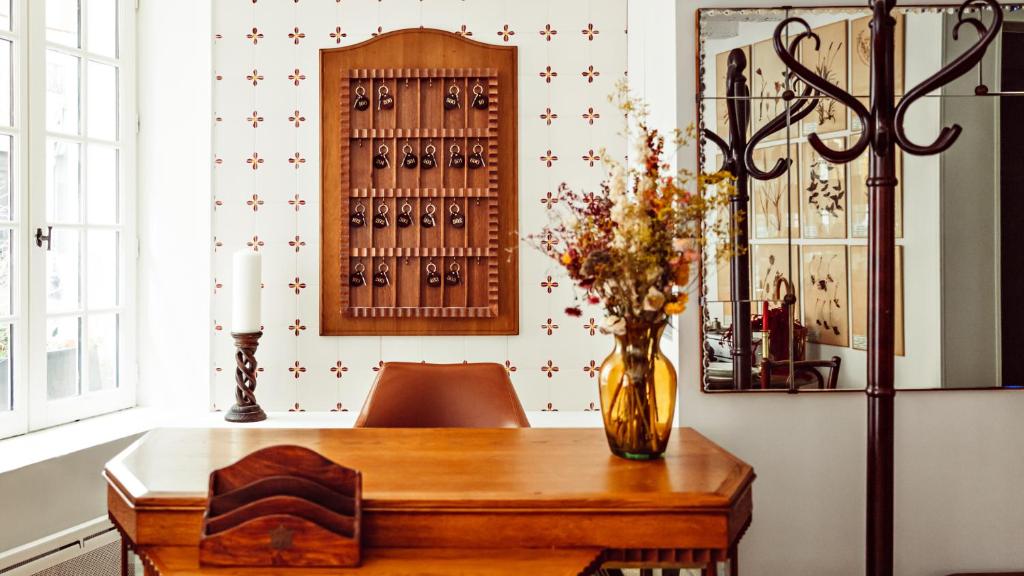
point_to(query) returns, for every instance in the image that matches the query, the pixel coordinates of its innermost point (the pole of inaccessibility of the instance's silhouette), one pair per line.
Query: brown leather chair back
(419, 395)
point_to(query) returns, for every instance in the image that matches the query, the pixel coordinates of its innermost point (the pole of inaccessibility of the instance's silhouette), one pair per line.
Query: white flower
(614, 325)
(654, 300)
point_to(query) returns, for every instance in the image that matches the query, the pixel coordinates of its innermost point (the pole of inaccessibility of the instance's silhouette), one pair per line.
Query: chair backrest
(420, 395)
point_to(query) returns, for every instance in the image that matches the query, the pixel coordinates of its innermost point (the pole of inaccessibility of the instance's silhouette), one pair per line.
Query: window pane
(62, 357)
(102, 101)
(62, 272)
(62, 22)
(62, 91)
(6, 276)
(102, 264)
(6, 83)
(101, 184)
(5, 177)
(102, 27)
(5, 14)
(63, 160)
(103, 352)
(6, 372)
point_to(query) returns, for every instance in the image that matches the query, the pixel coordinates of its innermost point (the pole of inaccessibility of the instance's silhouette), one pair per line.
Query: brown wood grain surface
(460, 488)
(417, 67)
(184, 561)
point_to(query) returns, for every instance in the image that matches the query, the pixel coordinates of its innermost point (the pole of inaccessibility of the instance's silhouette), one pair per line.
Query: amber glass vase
(638, 393)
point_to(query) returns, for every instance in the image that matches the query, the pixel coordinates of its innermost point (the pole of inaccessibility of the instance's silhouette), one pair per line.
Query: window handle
(40, 237)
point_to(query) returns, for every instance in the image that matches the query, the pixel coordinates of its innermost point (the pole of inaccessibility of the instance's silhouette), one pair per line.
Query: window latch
(40, 237)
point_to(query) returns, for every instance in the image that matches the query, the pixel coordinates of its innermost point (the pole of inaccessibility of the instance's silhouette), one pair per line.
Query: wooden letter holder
(282, 506)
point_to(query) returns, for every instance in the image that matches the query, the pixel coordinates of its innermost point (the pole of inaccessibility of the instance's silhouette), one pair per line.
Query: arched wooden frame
(422, 65)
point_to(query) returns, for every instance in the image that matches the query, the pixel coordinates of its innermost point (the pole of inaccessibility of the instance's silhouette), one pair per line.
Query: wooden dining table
(457, 501)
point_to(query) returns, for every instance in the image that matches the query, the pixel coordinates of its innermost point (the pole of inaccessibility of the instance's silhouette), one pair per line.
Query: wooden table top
(449, 468)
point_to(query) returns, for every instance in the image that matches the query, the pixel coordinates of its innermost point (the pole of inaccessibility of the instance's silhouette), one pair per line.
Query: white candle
(245, 304)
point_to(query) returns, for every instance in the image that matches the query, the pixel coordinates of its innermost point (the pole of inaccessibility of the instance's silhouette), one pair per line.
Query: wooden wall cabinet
(419, 68)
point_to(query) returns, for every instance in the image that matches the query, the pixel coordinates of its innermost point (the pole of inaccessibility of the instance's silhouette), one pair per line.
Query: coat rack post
(883, 131)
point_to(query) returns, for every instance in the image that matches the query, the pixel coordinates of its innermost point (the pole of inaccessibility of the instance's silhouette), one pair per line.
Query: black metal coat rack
(882, 131)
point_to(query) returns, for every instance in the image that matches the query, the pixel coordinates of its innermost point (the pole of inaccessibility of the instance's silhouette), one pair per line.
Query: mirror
(959, 314)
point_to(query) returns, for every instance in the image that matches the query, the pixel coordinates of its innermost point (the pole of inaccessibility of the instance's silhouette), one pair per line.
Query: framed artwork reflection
(823, 193)
(824, 289)
(776, 202)
(770, 263)
(859, 299)
(829, 62)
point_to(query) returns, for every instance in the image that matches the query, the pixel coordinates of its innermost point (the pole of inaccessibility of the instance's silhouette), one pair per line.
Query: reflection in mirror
(797, 299)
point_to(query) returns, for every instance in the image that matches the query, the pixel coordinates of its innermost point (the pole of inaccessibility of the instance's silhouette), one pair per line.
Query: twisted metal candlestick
(246, 409)
(882, 132)
(738, 160)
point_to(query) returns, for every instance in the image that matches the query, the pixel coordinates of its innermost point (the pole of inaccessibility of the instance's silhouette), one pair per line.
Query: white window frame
(16, 421)
(42, 412)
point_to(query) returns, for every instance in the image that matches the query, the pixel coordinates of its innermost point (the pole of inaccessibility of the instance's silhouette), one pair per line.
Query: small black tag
(452, 278)
(357, 220)
(403, 220)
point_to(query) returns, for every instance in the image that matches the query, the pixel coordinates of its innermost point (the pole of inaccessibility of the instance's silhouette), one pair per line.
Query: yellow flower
(676, 307)
(566, 259)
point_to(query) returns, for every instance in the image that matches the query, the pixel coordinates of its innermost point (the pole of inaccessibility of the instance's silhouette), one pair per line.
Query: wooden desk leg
(124, 556)
(670, 572)
(734, 560)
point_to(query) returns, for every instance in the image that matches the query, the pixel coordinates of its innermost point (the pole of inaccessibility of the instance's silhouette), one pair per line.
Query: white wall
(174, 203)
(959, 505)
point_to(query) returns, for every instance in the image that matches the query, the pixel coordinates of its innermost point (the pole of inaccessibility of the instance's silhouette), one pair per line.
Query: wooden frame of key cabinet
(419, 66)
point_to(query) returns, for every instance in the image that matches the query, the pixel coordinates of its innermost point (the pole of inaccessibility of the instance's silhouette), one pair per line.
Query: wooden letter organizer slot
(282, 506)
(419, 222)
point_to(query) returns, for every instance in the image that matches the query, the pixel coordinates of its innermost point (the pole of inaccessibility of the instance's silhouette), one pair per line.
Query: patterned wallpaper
(266, 187)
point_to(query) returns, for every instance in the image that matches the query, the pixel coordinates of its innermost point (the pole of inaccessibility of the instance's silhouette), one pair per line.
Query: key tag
(451, 101)
(357, 278)
(361, 102)
(427, 221)
(479, 98)
(404, 219)
(456, 159)
(380, 277)
(381, 159)
(429, 160)
(381, 219)
(433, 277)
(452, 276)
(456, 217)
(409, 160)
(385, 101)
(358, 218)
(476, 159)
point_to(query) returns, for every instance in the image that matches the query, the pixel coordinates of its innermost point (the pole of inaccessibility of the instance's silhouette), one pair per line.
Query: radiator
(90, 549)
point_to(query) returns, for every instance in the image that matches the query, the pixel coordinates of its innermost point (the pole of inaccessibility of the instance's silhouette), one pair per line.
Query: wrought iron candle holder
(245, 409)
(883, 131)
